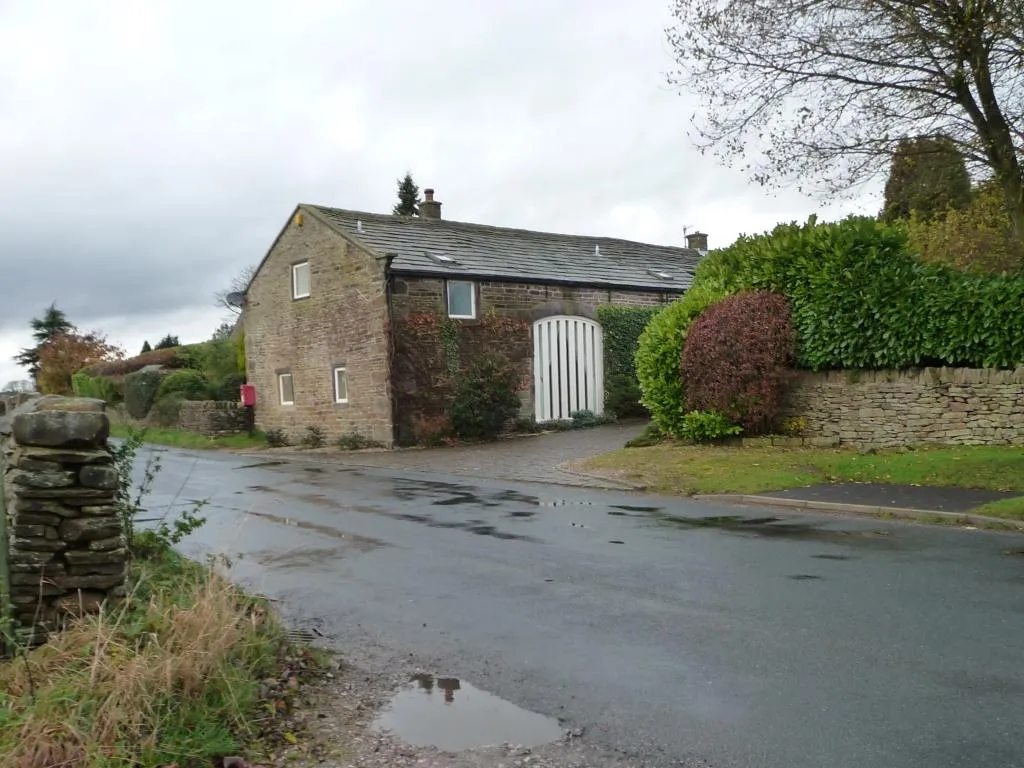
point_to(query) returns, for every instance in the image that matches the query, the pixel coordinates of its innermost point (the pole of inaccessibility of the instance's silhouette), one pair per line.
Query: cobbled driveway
(533, 458)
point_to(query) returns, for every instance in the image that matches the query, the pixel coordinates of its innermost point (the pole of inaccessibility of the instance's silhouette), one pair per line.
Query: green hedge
(861, 299)
(140, 392)
(84, 385)
(187, 384)
(621, 328)
(660, 347)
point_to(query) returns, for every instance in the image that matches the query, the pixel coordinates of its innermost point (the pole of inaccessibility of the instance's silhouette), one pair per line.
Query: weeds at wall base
(170, 676)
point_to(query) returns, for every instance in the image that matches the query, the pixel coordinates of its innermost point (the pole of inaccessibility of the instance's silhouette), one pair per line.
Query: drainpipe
(389, 279)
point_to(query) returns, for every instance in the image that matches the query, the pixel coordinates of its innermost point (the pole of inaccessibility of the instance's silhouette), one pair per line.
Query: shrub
(979, 237)
(353, 441)
(621, 328)
(860, 299)
(586, 419)
(188, 384)
(314, 437)
(738, 356)
(527, 424)
(652, 435)
(485, 398)
(168, 358)
(432, 431)
(794, 426)
(707, 426)
(277, 438)
(228, 388)
(84, 385)
(140, 392)
(622, 396)
(166, 410)
(661, 347)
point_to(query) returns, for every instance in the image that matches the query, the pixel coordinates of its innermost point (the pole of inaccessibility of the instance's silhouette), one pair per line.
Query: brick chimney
(698, 241)
(430, 208)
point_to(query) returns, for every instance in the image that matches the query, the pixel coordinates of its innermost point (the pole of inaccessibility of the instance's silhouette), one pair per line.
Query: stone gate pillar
(65, 544)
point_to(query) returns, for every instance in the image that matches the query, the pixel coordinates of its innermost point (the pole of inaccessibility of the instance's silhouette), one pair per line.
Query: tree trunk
(1013, 191)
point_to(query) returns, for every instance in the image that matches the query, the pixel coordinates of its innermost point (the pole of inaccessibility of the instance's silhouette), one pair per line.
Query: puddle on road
(261, 464)
(804, 577)
(832, 557)
(452, 715)
(362, 543)
(776, 527)
(631, 508)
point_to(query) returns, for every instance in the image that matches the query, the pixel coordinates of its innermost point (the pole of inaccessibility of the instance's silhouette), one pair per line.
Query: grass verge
(171, 676)
(181, 439)
(678, 469)
(1010, 509)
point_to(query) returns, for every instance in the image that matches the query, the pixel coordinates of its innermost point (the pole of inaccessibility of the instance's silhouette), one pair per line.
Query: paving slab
(928, 497)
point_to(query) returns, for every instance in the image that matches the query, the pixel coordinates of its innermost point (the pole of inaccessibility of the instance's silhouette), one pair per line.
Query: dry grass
(171, 676)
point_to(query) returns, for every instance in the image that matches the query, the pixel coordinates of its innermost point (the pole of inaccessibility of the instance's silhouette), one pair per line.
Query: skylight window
(441, 258)
(661, 275)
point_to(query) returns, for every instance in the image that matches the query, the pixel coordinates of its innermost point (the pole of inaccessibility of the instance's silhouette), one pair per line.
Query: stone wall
(213, 417)
(530, 301)
(505, 313)
(961, 406)
(341, 324)
(63, 544)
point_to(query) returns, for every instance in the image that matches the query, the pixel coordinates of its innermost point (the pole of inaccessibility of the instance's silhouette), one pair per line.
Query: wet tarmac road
(668, 628)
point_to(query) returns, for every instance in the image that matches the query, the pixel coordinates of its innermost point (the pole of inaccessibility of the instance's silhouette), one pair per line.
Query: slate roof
(452, 248)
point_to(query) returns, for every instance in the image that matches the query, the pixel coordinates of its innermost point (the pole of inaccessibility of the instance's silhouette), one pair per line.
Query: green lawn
(678, 469)
(181, 439)
(1011, 509)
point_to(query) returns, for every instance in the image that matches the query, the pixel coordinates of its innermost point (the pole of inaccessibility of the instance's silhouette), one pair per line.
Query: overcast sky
(152, 150)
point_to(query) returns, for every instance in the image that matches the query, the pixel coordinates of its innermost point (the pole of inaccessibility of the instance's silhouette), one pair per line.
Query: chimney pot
(430, 208)
(697, 241)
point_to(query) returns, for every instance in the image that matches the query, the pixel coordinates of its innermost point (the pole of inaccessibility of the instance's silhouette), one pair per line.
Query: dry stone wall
(956, 406)
(213, 417)
(63, 544)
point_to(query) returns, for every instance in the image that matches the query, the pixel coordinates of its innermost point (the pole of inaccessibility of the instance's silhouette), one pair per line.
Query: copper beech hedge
(737, 359)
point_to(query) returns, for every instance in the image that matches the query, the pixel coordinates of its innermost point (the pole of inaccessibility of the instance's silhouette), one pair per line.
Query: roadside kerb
(872, 510)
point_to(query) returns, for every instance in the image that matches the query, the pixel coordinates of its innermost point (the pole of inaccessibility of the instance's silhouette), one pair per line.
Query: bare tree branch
(822, 91)
(239, 284)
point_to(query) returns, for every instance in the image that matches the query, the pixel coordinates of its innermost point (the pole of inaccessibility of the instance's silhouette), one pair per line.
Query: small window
(340, 385)
(461, 299)
(287, 390)
(300, 280)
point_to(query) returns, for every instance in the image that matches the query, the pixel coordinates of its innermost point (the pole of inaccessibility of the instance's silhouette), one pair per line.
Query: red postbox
(248, 395)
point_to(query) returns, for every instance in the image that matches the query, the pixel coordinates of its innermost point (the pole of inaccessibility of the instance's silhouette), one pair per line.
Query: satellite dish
(235, 299)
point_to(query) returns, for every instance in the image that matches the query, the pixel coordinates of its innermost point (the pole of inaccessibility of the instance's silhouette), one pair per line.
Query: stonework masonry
(341, 324)
(958, 406)
(63, 547)
(530, 301)
(525, 301)
(213, 417)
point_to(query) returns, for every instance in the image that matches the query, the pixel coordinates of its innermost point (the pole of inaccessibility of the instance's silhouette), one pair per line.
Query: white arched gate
(568, 367)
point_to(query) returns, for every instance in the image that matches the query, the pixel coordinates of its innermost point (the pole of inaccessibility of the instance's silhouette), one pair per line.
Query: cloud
(154, 150)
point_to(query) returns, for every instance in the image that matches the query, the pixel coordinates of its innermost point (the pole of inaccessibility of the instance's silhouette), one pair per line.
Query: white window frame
(280, 388)
(295, 282)
(472, 299)
(334, 374)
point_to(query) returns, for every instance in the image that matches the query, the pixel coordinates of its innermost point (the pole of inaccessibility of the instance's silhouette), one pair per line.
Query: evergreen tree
(168, 341)
(145, 348)
(408, 197)
(928, 177)
(53, 323)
